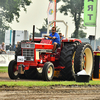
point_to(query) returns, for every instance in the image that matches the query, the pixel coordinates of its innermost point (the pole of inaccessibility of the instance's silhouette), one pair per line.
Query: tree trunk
(77, 24)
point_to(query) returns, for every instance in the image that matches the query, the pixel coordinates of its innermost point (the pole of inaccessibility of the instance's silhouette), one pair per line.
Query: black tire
(66, 59)
(22, 76)
(84, 59)
(12, 69)
(32, 73)
(48, 66)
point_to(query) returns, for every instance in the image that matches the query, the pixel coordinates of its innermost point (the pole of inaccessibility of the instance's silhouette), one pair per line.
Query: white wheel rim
(87, 62)
(39, 70)
(73, 62)
(50, 71)
(15, 72)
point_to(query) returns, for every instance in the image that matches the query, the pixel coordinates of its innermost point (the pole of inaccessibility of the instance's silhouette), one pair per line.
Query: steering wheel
(46, 38)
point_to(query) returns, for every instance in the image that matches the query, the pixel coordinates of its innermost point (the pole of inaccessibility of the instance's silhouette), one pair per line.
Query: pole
(55, 12)
(95, 28)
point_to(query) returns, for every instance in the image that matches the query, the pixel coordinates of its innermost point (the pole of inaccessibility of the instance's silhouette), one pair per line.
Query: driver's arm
(50, 37)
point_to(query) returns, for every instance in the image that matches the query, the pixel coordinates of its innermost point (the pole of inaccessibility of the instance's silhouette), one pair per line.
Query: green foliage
(75, 7)
(81, 34)
(44, 27)
(9, 10)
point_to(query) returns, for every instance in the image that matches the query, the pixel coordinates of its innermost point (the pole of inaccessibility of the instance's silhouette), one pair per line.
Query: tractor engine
(35, 54)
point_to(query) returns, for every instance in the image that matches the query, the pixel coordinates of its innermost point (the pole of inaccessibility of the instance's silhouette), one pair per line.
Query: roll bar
(66, 32)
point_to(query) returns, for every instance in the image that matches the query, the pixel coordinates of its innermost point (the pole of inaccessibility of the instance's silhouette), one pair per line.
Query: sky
(36, 13)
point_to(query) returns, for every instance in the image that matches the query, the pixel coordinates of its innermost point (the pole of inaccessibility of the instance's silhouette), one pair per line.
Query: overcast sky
(36, 13)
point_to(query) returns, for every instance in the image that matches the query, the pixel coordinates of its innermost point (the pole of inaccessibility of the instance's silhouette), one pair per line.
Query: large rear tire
(12, 71)
(67, 60)
(84, 59)
(48, 71)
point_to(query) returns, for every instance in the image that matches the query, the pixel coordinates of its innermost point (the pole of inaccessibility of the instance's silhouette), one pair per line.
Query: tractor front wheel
(48, 71)
(12, 71)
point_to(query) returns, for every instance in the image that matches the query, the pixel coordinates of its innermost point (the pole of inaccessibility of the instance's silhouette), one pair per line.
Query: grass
(3, 69)
(46, 83)
(41, 83)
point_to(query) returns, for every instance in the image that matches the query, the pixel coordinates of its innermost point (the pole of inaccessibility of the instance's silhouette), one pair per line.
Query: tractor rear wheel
(67, 60)
(48, 71)
(84, 59)
(12, 71)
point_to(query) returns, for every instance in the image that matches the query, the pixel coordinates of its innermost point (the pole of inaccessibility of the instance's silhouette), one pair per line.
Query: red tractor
(34, 59)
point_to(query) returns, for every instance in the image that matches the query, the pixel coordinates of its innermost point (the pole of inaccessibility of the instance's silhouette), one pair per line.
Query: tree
(81, 34)
(9, 10)
(75, 7)
(44, 27)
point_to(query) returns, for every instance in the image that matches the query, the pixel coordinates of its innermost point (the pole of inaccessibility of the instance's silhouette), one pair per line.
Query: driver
(55, 39)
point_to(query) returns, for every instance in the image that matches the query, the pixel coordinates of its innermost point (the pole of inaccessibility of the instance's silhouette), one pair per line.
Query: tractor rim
(39, 70)
(87, 61)
(50, 71)
(15, 70)
(73, 62)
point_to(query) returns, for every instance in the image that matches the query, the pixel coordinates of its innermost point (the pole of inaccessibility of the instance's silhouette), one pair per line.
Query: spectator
(55, 38)
(61, 36)
(98, 48)
(17, 45)
(2, 48)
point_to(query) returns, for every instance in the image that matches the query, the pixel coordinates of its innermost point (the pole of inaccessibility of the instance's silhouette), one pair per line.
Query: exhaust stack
(33, 32)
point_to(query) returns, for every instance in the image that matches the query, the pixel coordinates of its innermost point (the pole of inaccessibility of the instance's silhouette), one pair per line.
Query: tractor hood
(45, 44)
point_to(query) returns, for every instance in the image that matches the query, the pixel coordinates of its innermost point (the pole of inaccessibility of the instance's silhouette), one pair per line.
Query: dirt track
(48, 93)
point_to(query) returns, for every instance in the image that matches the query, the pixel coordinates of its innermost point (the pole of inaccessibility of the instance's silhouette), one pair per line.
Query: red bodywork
(44, 57)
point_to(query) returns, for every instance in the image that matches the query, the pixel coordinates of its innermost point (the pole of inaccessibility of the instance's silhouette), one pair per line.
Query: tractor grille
(27, 45)
(28, 54)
